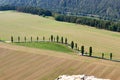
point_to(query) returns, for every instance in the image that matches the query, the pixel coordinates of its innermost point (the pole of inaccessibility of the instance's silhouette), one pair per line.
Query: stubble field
(21, 24)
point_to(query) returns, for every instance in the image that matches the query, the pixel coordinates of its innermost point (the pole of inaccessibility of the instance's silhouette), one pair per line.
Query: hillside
(107, 9)
(22, 63)
(21, 24)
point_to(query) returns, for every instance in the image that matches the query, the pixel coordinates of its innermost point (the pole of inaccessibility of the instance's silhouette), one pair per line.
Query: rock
(78, 77)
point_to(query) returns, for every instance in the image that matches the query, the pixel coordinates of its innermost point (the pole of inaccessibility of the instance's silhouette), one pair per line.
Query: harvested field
(21, 24)
(22, 63)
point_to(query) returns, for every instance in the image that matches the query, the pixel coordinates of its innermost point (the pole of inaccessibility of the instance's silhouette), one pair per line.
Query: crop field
(24, 63)
(21, 24)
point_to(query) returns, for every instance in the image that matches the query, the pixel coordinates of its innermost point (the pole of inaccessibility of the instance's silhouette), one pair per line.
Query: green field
(48, 46)
(21, 24)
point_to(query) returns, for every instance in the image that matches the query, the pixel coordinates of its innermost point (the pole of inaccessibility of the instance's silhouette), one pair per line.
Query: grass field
(47, 45)
(21, 24)
(24, 63)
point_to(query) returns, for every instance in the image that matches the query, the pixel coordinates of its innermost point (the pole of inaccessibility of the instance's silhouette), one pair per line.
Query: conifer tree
(31, 38)
(90, 51)
(25, 39)
(110, 56)
(52, 38)
(102, 55)
(57, 38)
(37, 38)
(65, 40)
(62, 40)
(82, 50)
(72, 45)
(12, 39)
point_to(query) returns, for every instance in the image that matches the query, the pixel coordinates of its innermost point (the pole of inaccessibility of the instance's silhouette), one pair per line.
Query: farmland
(23, 63)
(21, 24)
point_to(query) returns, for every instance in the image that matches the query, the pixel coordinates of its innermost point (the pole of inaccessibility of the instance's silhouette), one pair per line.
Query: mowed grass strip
(47, 45)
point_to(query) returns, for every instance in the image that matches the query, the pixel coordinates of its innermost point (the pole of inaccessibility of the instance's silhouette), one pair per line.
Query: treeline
(27, 9)
(101, 24)
(61, 40)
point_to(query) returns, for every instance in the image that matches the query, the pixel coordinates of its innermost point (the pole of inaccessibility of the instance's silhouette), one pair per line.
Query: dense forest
(101, 24)
(27, 9)
(105, 9)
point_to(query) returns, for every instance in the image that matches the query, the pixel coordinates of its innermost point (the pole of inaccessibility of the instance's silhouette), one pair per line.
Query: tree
(57, 38)
(12, 39)
(76, 45)
(37, 38)
(90, 51)
(102, 55)
(65, 40)
(62, 40)
(25, 39)
(51, 38)
(31, 38)
(43, 38)
(110, 56)
(82, 50)
(18, 38)
(72, 44)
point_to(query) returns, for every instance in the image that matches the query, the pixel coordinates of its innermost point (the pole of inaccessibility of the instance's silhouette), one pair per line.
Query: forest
(105, 9)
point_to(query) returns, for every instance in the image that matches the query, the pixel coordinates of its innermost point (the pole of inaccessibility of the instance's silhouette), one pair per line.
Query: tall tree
(12, 39)
(62, 40)
(25, 38)
(72, 45)
(65, 40)
(76, 45)
(52, 38)
(102, 55)
(90, 51)
(43, 38)
(57, 38)
(111, 56)
(82, 50)
(37, 38)
(31, 38)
